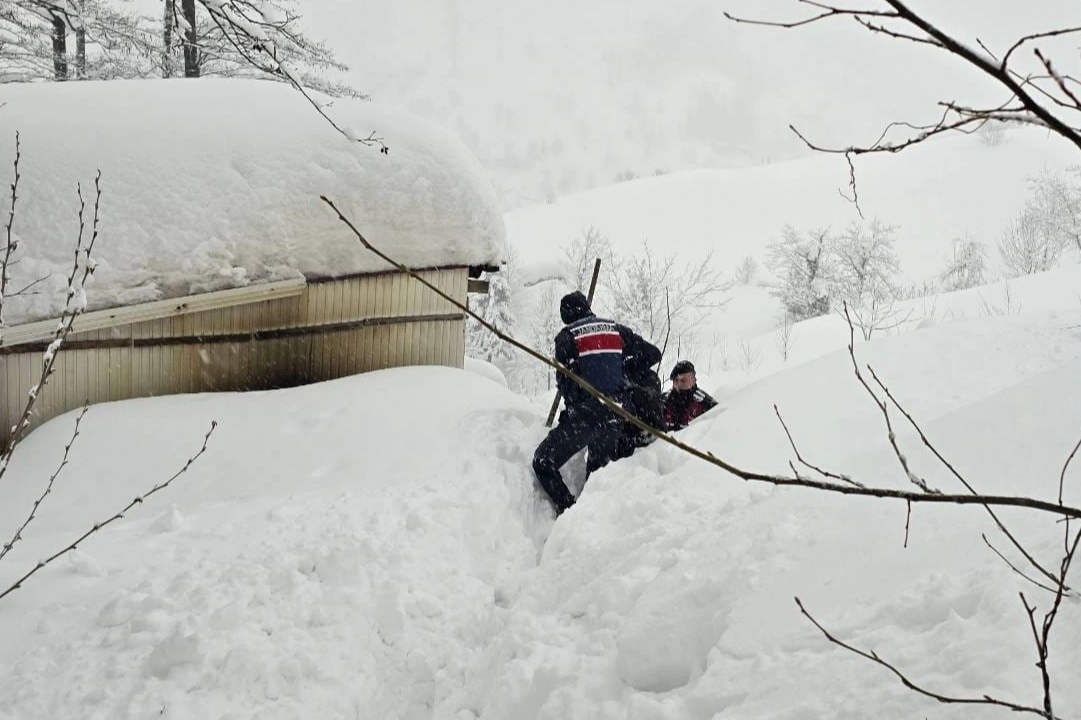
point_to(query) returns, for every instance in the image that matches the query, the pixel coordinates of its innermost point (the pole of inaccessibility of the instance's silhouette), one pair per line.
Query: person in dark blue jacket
(595, 350)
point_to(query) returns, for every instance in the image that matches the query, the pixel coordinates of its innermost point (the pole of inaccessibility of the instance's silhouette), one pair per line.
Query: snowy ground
(373, 548)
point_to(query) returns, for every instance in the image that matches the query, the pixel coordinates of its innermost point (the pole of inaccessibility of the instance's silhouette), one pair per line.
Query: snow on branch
(83, 265)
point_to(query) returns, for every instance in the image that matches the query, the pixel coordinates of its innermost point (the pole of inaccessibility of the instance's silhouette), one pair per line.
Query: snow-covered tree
(966, 266)
(1029, 244)
(1056, 201)
(496, 308)
(802, 264)
(234, 38)
(866, 265)
(581, 254)
(543, 326)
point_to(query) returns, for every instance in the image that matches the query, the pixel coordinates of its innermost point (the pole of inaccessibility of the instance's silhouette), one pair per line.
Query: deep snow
(215, 183)
(339, 553)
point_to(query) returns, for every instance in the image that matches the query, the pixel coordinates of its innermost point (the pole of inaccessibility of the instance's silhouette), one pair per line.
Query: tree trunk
(60, 48)
(191, 52)
(80, 53)
(168, 19)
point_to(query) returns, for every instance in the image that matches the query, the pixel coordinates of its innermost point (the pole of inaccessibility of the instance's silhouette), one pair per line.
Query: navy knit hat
(574, 306)
(683, 366)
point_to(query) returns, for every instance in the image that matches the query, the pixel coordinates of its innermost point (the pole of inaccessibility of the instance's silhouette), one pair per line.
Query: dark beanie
(682, 367)
(574, 306)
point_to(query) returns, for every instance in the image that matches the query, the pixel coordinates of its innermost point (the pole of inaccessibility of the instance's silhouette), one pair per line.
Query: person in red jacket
(685, 400)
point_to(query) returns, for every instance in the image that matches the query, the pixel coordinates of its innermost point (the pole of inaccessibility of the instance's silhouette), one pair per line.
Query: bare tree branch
(800, 459)
(903, 23)
(1035, 36)
(48, 487)
(98, 526)
(1014, 567)
(1065, 467)
(10, 243)
(827, 13)
(74, 306)
(942, 698)
(1041, 655)
(884, 409)
(960, 478)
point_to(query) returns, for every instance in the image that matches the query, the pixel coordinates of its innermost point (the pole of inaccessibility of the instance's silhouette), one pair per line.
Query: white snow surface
(339, 554)
(215, 183)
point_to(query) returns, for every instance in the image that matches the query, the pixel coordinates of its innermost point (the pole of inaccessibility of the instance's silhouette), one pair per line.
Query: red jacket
(682, 406)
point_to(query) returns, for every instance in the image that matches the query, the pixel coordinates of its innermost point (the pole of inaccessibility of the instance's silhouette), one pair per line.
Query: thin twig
(48, 487)
(10, 244)
(960, 478)
(1041, 655)
(1029, 38)
(1014, 567)
(98, 526)
(946, 699)
(908, 520)
(73, 308)
(884, 409)
(1065, 467)
(802, 461)
(827, 12)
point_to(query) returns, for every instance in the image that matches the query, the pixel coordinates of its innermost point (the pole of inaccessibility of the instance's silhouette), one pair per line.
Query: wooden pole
(589, 296)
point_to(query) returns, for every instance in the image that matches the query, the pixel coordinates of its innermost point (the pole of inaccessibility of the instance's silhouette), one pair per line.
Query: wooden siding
(331, 330)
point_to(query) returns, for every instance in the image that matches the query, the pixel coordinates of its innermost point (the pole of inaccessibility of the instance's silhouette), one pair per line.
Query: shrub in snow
(966, 267)
(1029, 244)
(1056, 200)
(866, 264)
(746, 270)
(661, 296)
(802, 264)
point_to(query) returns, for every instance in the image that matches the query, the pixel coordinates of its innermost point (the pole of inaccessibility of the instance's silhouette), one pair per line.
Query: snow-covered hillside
(956, 187)
(373, 547)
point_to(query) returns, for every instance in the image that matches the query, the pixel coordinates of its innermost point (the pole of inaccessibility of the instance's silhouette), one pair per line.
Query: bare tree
(581, 253)
(661, 296)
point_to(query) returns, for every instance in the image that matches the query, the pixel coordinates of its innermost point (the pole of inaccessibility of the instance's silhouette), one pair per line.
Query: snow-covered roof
(213, 183)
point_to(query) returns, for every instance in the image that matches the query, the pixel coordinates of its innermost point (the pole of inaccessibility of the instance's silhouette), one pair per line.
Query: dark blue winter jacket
(595, 349)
